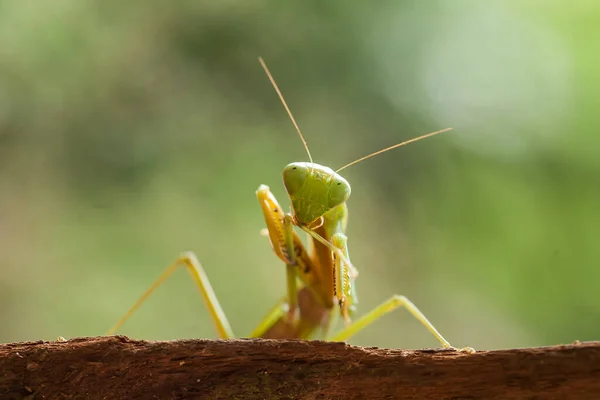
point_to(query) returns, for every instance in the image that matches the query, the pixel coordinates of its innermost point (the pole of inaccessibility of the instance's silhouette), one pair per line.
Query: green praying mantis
(320, 278)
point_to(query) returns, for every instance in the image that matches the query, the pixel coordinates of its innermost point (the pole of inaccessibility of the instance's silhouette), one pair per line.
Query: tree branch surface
(117, 367)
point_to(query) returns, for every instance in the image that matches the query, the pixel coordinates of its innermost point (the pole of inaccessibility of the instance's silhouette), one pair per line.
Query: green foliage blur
(133, 131)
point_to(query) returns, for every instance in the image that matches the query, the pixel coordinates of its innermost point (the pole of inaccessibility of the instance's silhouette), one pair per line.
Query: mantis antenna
(393, 147)
(264, 66)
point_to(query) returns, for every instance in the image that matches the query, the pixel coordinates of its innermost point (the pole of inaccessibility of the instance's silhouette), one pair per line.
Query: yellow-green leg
(386, 307)
(291, 268)
(276, 314)
(195, 269)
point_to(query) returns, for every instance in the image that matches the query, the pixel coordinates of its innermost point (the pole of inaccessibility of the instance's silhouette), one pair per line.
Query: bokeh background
(132, 131)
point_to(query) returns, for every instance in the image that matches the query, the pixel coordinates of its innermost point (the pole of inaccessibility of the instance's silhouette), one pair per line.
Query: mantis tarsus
(317, 280)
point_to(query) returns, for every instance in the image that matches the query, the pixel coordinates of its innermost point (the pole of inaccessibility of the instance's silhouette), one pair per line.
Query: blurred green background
(132, 131)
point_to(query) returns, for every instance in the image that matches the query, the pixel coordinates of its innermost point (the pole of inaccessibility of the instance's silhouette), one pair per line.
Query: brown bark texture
(117, 367)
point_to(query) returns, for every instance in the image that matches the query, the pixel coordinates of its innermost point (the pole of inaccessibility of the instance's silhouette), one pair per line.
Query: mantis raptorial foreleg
(285, 243)
(344, 277)
(195, 269)
(394, 302)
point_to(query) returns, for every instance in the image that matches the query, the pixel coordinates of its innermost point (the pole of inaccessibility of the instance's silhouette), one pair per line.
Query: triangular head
(314, 190)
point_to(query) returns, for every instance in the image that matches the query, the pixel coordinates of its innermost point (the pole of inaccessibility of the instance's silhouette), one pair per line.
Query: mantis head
(314, 190)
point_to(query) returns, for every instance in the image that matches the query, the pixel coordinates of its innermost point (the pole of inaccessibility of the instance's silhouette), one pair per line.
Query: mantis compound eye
(294, 177)
(339, 191)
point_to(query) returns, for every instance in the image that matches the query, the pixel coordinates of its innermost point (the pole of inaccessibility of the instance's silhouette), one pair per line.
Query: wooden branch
(117, 367)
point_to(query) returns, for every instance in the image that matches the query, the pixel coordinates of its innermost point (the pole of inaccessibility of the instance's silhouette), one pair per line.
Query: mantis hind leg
(195, 269)
(386, 307)
(275, 315)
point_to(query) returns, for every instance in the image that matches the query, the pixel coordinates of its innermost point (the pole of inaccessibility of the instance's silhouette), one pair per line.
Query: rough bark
(121, 368)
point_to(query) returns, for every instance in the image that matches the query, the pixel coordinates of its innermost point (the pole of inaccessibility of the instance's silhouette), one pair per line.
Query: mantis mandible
(317, 280)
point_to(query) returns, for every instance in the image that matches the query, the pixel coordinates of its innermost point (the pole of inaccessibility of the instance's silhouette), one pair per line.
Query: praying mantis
(321, 277)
